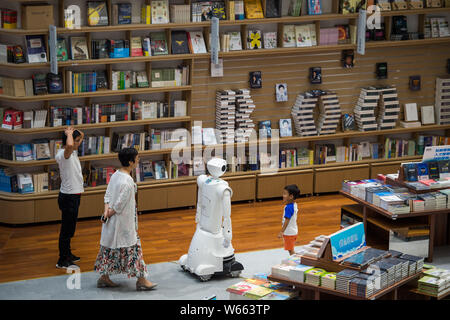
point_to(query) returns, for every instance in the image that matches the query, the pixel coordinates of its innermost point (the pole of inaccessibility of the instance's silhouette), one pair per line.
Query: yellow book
(146, 17)
(311, 156)
(253, 9)
(231, 10)
(76, 83)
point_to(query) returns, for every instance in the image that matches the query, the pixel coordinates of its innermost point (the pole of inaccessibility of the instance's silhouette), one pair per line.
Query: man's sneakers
(66, 263)
(74, 258)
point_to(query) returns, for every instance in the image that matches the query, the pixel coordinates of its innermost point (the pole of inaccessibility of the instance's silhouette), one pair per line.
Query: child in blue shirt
(289, 228)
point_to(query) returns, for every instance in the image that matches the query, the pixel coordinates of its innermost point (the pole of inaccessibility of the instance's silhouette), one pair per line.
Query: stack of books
(386, 271)
(441, 200)
(282, 270)
(394, 204)
(435, 282)
(328, 280)
(343, 278)
(364, 258)
(361, 287)
(415, 265)
(429, 201)
(303, 114)
(297, 272)
(313, 276)
(389, 108)
(330, 113)
(225, 115)
(400, 267)
(40, 182)
(244, 108)
(364, 110)
(446, 192)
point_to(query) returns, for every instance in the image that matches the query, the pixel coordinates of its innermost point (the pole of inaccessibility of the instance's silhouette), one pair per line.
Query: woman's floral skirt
(128, 260)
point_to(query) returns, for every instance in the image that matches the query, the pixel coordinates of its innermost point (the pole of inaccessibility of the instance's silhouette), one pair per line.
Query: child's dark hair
(127, 155)
(75, 135)
(293, 190)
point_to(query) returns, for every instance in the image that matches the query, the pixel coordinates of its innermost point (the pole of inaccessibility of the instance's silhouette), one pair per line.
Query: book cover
(36, 50)
(158, 43)
(314, 7)
(180, 42)
(97, 13)
(444, 169)
(254, 39)
(273, 8)
(253, 9)
(295, 8)
(270, 40)
(136, 47)
(160, 11)
(78, 48)
(285, 128)
(410, 172)
(315, 75)
(61, 50)
(289, 40)
(281, 92)
(235, 41)
(265, 130)
(255, 79)
(218, 10)
(433, 170)
(196, 41)
(302, 36)
(124, 13)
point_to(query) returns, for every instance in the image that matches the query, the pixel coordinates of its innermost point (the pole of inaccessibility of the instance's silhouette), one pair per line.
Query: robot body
(210, 252)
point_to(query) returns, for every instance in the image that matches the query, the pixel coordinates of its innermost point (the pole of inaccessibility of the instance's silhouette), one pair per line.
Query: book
(253, 9)
(433, 170)
(410, 112)
(410, 172)
(218, 10)
(146, 17)
(158, 43)
(289, 39)
(314, 7)
(124, 13)
(180, 42)
(235, 41)
(160, 11)
(97, 13)
(78, 48)
(254, 39)
(36, 49)
(422, 171)
(270, 40)
(285, 128)
(427, 114)
(160, 170)
(273, 8)
(265, 130)
(196, 42)
(239, 11)
(302, 36)
(61, 50)
(136, 47)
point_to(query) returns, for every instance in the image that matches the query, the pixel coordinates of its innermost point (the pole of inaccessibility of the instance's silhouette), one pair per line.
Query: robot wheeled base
(231, 268)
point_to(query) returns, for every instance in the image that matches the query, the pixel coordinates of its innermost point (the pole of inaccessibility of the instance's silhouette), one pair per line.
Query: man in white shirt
(69, 194)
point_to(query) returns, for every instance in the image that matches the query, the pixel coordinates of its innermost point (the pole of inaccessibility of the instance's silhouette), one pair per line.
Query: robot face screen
(224, 168)
(217, 167)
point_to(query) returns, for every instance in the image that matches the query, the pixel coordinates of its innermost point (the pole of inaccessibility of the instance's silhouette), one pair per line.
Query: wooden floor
(32, 251)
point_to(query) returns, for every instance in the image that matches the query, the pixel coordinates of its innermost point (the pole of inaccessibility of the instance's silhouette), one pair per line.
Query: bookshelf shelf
(99, 125)
(191, 25)
(101, 93)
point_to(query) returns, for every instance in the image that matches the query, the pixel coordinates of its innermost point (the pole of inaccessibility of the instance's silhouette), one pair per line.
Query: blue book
(124, 13)
(422, 171)
(410, 172)
(314, 7)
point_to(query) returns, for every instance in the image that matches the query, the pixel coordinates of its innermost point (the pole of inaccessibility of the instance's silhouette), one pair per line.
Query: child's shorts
(289, 242)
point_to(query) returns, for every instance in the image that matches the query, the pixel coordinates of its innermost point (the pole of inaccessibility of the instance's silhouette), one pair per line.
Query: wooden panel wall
(428, 61)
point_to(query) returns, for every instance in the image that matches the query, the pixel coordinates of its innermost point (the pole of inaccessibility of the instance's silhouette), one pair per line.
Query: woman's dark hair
(75, 135)
(127, 155)
(293, 190)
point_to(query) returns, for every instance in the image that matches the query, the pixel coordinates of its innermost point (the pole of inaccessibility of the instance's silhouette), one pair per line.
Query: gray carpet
(173, 283)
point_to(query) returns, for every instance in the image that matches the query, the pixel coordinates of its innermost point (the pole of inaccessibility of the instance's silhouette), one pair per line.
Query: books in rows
(442, 109)
(139, 140)
(148, 169)
(180, 13)
(122, 80)
(97, 176)
(170, 77)
(436, 27)
(426, 172)
(77, 82)
(15, 119)
(168, 138)
(17, 87)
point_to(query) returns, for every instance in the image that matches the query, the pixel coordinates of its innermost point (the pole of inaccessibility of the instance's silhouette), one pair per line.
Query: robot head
(217, 167)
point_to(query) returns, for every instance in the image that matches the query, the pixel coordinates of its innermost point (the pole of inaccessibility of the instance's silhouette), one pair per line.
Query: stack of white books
(446, 192)
(442, 108)
(441, 200)
(365, 109)
(244, 108)
(225, 115)
(389, 108)
(281, 270)
(330, 113)
(303, 114)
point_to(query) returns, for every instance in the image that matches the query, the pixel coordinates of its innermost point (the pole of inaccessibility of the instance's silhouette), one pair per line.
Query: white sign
(436, 153)
(361, 43)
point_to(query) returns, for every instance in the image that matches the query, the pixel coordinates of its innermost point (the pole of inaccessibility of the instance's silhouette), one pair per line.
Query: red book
(427, 182)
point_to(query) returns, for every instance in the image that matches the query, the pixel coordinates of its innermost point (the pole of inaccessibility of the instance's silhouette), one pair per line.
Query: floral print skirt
(128, 260)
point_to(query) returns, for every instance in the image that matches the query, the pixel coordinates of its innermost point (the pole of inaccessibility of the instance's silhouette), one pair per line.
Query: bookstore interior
(343, 97)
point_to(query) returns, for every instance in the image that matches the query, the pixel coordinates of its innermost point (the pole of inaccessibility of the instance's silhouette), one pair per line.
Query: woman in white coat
(120, 246)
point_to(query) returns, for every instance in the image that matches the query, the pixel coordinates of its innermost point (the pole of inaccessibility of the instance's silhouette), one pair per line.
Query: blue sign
(347, 240)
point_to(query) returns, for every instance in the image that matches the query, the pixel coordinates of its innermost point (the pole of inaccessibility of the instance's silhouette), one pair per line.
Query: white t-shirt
(290, 212)
(70, 172)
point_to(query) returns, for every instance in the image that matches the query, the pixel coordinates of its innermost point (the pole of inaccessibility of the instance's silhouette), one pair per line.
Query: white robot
(211, 252)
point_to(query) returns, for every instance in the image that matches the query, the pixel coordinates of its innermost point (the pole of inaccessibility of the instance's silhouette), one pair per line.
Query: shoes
(74, 258)
(106, 284)
(143, 287)
(64, 264)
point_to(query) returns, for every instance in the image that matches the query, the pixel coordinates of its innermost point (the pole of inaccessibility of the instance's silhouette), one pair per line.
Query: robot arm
(226, 226)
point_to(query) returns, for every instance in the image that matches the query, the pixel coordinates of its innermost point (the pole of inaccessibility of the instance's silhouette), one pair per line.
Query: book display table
(370, 213)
